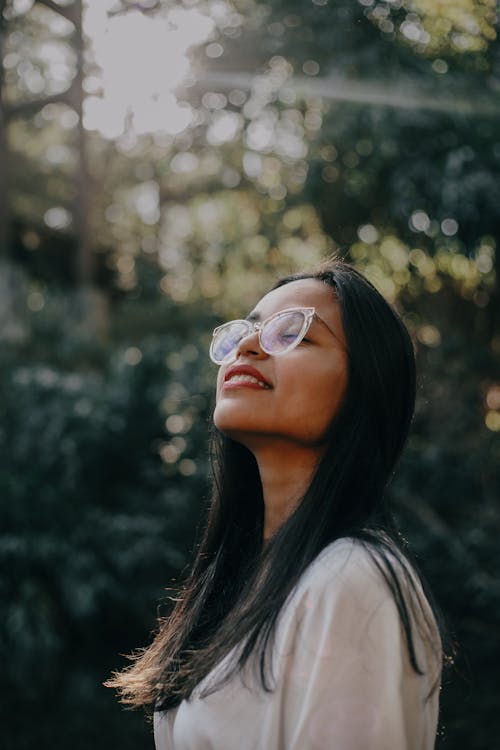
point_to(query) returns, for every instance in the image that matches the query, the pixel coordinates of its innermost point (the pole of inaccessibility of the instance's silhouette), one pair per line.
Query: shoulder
(342, 585)
(352, 583)
(341, 611)
(347, 562)
(361, 595)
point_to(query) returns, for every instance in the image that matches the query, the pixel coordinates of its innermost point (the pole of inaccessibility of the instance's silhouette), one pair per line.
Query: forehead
(303, 293)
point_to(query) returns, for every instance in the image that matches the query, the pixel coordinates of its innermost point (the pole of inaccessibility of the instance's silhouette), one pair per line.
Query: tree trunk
(4, 212)
(84, 266)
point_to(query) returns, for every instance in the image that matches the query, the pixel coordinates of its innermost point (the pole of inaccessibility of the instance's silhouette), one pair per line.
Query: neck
(285, 473)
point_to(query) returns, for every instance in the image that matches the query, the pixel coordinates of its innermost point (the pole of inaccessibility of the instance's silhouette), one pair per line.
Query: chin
(230, 426)
(222, 421)
(238, 427)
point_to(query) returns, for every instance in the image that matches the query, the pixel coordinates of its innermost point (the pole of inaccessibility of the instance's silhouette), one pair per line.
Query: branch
(135, 6)
(68, 11)
(21, 109)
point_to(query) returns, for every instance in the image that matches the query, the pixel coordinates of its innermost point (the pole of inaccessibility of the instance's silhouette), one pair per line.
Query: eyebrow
(253, 316)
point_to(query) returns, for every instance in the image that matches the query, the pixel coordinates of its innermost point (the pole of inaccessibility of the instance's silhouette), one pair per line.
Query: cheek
(220, 380)
(316, 403)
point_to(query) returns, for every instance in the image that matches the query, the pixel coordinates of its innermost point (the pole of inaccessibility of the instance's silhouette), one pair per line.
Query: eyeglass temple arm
(315, 315)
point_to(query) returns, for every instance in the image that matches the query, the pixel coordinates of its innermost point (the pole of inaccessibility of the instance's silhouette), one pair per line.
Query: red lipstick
(231, 379)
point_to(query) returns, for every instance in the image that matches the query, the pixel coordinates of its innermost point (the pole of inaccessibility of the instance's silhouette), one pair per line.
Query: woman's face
(304, 387)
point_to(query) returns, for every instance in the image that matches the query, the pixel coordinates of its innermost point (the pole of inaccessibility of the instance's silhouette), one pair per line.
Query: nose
(250, 346)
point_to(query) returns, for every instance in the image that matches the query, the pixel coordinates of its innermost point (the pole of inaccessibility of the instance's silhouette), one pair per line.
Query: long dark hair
(235, 591)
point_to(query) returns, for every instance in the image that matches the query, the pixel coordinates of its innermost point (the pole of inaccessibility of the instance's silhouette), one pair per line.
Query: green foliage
(97, 467)
(446, 495)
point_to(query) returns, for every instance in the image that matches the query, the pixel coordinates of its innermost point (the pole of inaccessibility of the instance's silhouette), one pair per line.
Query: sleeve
(345, 681)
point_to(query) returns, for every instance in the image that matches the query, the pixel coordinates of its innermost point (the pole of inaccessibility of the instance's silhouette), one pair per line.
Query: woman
(302, 625)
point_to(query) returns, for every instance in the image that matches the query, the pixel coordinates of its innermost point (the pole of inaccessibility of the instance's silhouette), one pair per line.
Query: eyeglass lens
(281, 332)
(227, 339)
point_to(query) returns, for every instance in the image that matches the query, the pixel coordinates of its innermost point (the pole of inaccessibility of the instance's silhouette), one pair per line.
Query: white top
(342, 678)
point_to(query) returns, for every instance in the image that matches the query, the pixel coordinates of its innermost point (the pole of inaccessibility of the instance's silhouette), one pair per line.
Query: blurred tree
(50, 72)
(45, 57)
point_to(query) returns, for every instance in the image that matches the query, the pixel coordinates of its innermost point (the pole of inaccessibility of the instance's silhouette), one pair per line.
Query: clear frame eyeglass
(278, 334)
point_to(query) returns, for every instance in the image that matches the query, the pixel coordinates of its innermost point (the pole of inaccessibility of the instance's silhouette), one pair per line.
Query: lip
(245, 370)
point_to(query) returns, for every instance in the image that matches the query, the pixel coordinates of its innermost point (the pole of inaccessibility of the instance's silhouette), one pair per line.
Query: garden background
(161, 163)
